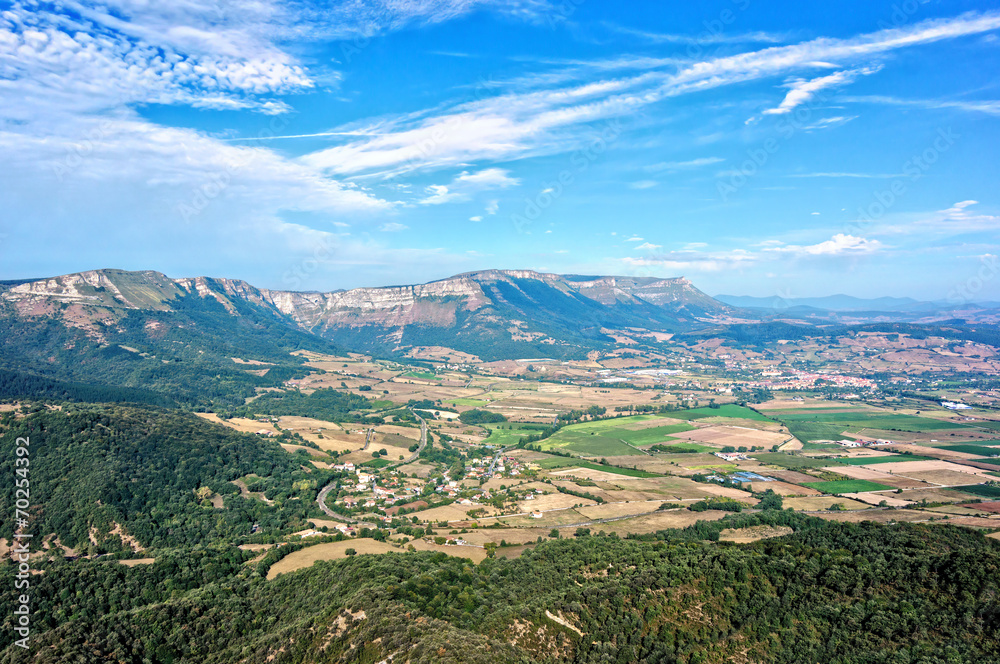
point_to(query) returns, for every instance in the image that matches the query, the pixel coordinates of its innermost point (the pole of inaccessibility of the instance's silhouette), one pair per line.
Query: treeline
(322, 404)
(477, 416)
(19, 385)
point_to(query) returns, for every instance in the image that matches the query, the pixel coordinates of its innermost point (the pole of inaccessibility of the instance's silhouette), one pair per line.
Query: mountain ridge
(510, 310)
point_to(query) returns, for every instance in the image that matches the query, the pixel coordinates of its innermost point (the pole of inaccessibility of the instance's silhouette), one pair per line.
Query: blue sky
(755, 147)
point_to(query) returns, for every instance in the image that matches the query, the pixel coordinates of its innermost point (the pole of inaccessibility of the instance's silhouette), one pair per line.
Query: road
(420, 447)
(325, 491)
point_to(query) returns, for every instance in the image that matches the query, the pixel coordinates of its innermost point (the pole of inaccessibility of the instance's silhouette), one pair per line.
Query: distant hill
(828, 303)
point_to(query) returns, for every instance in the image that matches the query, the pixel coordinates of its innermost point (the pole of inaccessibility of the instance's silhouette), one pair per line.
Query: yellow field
(818, 503)
(335, 550)
(137, 561)
(326, 551)
(552, 501)
(238, 423)
(650, 523)
(614, 510)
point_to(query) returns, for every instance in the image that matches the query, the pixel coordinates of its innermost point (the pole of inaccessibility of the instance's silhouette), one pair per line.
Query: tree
(770, 501)
(351, 552)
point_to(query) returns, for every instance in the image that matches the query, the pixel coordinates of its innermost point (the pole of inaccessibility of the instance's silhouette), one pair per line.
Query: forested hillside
(830, 592)
(184, 354)
(153, 473)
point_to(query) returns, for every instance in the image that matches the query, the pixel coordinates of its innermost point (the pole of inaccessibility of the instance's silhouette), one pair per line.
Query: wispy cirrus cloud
(987, 106)
(961, 218)
(802, 91)
(511, 122)
(674, 166)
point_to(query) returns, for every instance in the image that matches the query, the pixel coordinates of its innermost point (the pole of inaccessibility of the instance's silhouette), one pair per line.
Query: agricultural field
(683, 447)
(725, 410)
(507, 434)
(614, 437)
(976, 450)
(982, 490)
(815, 425)
(847, 486)
(469, 403)
(565, 462)
(874, 460)
(793, 461)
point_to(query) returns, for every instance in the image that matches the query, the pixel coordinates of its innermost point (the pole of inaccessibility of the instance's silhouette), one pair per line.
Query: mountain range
(178, 337)
(494, 314)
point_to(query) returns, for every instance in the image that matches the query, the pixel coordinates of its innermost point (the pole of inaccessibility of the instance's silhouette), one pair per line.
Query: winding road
(325, 491)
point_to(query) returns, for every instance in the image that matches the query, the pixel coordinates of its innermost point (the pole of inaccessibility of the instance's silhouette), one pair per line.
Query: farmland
(870, 460)
(614, 437)
(814, 425)
(847, 486)
(978, 450)
(725, 410)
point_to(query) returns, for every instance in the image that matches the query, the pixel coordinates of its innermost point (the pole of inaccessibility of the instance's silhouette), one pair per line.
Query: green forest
(183, 356)
(152, 472)
(830, 592)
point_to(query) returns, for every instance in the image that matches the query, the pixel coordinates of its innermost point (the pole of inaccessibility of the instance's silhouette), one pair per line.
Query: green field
(377, 463)
(987, 424)
(726, 410)
(473, 403)
(847, 486)
(979, 450)
(984, 490)
(506, 436)
(993, 461)
(685, 448)
(895, 458)
(425, 375)
(610, 437)
(792, 461)
(831, 425)
(563, 462)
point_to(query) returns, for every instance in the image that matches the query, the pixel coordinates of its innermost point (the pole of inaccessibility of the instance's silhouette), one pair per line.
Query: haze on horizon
(754, 148)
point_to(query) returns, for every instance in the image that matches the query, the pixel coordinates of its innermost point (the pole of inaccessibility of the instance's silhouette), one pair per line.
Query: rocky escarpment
(498, 309)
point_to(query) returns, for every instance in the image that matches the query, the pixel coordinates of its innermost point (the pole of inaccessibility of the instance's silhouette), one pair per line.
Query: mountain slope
(144, 330)
(500, 314)
(495, 314)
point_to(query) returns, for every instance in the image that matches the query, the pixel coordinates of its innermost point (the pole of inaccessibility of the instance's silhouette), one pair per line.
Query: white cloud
(643, 184)
(648, 246)
(673, 166)
(840, 244)
(803, 91)
(681, 262)
(835, 174)
(393, 227)
(987, 106)
(956, 220)
(493, 207)
(463, 186)
(635, 238)
(477, 218)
